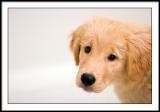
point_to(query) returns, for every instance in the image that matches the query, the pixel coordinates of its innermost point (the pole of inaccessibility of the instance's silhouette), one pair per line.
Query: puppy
(114, 52)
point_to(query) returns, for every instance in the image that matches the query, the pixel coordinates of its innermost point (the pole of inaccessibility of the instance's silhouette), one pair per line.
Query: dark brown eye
(87, 49)
(111, 57)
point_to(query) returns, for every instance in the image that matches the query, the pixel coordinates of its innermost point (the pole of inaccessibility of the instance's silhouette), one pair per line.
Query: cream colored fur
(130, 73)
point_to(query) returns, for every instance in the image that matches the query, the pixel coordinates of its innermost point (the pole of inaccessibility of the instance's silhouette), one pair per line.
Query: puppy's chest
(134, 92)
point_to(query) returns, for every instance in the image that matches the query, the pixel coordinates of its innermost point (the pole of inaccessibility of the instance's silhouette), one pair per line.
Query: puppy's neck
(133, 91)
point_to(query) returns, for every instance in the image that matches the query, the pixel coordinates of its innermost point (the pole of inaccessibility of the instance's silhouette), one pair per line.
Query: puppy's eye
(87, 49)
(111, 57)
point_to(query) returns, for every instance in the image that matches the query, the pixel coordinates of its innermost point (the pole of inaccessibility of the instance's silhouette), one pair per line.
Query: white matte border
(155, 35)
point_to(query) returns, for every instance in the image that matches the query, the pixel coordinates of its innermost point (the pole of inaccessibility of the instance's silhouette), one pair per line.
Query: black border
(64, 8)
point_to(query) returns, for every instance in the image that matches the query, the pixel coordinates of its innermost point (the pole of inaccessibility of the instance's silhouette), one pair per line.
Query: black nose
(88, 79)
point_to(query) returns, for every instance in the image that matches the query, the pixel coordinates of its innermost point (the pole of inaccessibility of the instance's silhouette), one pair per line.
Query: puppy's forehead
(104, 37)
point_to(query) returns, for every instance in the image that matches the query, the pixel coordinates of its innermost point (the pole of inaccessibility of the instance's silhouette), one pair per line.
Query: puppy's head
(104, 50)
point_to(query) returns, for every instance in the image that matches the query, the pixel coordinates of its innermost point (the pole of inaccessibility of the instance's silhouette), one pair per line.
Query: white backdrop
(41, 66)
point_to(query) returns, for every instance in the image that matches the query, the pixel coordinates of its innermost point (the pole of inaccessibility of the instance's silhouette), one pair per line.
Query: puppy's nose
(88, 79)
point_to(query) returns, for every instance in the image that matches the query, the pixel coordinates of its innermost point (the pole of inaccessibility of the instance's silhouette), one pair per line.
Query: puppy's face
(101, 56)
(106, 50)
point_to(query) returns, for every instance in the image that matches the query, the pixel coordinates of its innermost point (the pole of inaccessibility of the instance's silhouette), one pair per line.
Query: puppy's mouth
(86, 88)
(90, 88)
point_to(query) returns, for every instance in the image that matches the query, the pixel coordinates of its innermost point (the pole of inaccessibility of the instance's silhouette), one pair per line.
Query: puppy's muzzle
(88, 79)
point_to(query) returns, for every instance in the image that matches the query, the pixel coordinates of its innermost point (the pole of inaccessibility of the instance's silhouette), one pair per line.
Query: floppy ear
(139, 53)
(75, 47)
(75, 43)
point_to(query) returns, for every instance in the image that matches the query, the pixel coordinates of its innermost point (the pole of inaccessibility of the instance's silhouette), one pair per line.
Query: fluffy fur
(130, 73)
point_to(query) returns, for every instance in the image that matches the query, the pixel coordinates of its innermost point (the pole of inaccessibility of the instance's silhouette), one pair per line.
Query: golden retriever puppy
(113, 52)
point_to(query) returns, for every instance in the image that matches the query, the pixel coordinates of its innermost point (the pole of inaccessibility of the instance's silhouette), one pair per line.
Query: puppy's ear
(75, 42)
(139, 53)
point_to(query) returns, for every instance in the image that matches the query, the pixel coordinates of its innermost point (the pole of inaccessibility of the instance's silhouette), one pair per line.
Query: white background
(41, 66)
